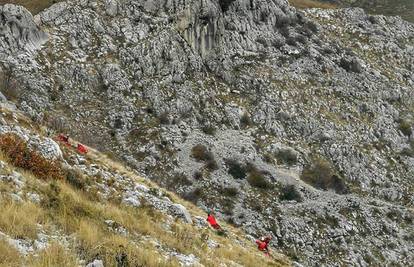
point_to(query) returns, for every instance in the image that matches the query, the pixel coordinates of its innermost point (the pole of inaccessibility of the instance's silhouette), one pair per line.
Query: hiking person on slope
(212, 221)
(263, 243)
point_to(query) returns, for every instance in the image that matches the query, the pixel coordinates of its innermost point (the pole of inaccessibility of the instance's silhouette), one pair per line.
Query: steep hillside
(62, 208)
(282, 121)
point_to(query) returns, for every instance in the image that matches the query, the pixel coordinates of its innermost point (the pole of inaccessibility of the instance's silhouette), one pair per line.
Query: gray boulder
(18, 30)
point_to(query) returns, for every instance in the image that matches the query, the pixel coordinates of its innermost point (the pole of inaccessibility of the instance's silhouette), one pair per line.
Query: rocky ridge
(264, 88)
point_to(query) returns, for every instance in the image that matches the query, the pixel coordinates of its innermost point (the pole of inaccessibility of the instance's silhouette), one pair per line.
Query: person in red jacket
(63, 138)
(212, 221)
(263, 244)
(82, 149)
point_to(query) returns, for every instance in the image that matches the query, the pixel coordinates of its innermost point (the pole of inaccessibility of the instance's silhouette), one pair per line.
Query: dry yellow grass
(52, 256)
(303, 4)
(94, 240)
(20, 220)
(9, 256)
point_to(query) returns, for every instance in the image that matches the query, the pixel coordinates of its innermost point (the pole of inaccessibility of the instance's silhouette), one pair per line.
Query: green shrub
(229, 191)
(194, 195)
(212, 165)
(257, 179)
(198, 175)
(201, 153)
(245, 120)
(257, 206)
(268, 158)
(52, 196)
(408, 152)
(290, 192)
(287, 156)
(225, 4)
(210, 130)
(56, 123)
(163, 118)
(235, 169)
(9, 85)
(320, 174)
(181, 179)
(405, 127)
(394, 215)
(76, 178)
(227, 206)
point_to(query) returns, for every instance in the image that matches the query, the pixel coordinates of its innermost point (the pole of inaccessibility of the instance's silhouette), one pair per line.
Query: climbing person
(263, 244)
(212, 221)
(82, 149)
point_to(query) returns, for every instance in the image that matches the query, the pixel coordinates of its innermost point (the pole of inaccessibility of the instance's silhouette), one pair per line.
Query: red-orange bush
(18, 153)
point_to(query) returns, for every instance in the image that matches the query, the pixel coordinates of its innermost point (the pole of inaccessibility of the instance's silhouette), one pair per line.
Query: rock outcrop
(18, 31)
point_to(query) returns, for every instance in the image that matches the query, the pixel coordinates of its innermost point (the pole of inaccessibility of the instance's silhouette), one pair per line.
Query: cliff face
(290, 123)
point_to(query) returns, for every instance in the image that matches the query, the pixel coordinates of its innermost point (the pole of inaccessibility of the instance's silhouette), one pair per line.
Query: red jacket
(82, 149)
(212, 221)
(262, 245)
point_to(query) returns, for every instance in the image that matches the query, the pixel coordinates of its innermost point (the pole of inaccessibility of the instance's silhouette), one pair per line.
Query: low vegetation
(303, 4)
(405, 127)
(194, 195)
(54, 255)
(164, 118)
(209, 129)
(229, 191)
(20, 219)
(246, 121)
(201, 153)
(256, 178)
(225, 4)
(321, 174)
(409, 151)
(18, 153)
(236, 169)
(287, 156)
(177, 180)
(290, 192)
(77, 179)
(8, 85)
(9, 256)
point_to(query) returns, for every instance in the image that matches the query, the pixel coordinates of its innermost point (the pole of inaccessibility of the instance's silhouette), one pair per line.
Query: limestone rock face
(228, 102)
(18, 30)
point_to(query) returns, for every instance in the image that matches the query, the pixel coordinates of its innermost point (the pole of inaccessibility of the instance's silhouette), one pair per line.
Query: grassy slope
(302, 4)
(79, 215)
(34, 6)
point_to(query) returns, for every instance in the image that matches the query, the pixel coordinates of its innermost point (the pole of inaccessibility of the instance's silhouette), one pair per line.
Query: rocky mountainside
(297, 124)
(63, 208)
